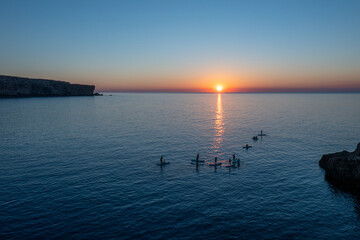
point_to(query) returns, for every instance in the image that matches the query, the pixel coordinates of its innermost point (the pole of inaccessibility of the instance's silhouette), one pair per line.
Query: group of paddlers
(232, 162)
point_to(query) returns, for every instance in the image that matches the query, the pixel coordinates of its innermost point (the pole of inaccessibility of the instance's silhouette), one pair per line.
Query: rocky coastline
(11, 86)
(343, 166)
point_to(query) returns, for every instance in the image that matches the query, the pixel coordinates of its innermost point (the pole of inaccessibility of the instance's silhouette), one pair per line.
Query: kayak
(247, 147)
(162, 164)
(197, 163)
(193, 160)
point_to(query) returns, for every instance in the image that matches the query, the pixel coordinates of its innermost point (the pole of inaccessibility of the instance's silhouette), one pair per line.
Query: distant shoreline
(15, 87)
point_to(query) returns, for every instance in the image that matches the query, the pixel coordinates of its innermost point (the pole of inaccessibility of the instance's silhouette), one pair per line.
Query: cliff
(28, 87)
(343, 166)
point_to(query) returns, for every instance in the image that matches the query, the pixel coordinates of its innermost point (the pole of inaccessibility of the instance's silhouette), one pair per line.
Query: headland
(11, 86)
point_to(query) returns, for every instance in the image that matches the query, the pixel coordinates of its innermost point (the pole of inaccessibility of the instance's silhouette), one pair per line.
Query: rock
(98, 94)
(28, 87)
(343, 166)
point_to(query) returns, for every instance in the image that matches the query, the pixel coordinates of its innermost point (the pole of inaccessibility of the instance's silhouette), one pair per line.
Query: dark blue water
(85, 167)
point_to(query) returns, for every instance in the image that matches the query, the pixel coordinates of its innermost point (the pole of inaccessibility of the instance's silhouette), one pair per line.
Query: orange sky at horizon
(207, 81)
(229, 83)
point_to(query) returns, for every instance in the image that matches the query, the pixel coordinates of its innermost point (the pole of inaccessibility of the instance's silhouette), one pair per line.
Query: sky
(185, 45)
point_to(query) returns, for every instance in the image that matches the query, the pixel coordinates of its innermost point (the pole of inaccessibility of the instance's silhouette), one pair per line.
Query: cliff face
(343, 166)
(28, 87)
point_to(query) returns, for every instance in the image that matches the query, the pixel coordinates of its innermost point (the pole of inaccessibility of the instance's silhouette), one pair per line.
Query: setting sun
(219, 88)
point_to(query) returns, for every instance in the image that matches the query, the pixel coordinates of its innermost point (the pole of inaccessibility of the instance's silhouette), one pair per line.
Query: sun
(219, 88)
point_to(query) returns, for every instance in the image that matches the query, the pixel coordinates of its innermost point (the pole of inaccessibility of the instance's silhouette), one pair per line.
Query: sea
(87, 167)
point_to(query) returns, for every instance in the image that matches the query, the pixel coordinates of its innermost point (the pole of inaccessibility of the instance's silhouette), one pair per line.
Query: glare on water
(219, 125)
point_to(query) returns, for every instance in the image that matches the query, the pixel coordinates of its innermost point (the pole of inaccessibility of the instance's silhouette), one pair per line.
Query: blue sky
(183, 44)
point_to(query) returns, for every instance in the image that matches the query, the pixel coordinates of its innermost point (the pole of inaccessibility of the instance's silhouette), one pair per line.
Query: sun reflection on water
(219, 125)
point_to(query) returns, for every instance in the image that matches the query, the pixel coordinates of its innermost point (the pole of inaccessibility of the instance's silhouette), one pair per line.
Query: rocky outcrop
(28, 87)
(343, 166)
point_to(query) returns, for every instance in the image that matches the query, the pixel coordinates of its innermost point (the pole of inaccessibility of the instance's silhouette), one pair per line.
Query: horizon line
(260, 90)
(339, 89)
(293, 92)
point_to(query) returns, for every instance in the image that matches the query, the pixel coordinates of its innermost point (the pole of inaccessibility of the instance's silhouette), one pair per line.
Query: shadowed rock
(343, 166)
(28, 87)
(350, 191)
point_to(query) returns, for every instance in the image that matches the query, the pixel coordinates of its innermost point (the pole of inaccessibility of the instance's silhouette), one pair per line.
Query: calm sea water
(85, 167)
